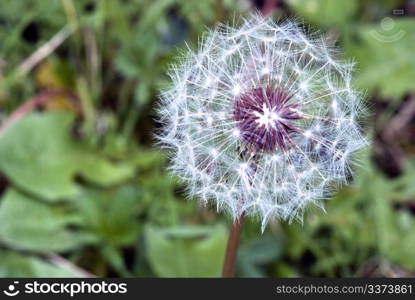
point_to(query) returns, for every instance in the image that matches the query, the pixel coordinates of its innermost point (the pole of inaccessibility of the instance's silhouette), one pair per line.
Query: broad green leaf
(39, 155)
(154, 11)
(13, 264)
(188, 251)
(115, 258)
(110, 216)
(34, 225)
(36, 154)
(101, 171)
(149, 159)
(255, 254)
(325, 12)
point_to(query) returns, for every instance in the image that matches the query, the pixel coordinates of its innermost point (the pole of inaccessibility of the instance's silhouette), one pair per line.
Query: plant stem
(232, 248)
(38, 100)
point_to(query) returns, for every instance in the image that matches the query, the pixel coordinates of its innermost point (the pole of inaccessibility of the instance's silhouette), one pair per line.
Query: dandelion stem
(232, 248)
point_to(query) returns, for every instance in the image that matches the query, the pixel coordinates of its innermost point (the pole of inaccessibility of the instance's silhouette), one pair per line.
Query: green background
(84, 191)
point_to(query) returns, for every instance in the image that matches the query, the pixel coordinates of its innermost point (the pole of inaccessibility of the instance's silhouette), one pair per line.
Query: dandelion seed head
(262, 119)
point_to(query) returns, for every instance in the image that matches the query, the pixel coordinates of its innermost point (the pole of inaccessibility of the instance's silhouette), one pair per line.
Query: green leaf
(142, 93)
(116, 260)
(38, 154)
(33, 225)
(110, 216)
(35, 153)
(256, 253)
(13, 264)
(325, 12)
(154, 11)
(102, 172)
(186, 251)
(149, 159)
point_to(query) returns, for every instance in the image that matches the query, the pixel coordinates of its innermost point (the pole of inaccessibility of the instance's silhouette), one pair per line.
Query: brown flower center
(264, 118)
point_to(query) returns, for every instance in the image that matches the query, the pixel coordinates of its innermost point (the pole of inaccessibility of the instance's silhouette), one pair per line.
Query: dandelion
(262, 120)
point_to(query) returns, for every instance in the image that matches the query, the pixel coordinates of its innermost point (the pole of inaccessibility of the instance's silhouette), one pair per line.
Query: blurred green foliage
(82, 181)
(187, 251)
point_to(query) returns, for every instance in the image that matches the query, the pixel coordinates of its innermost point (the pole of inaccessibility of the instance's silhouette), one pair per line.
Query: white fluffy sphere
(262, 119)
